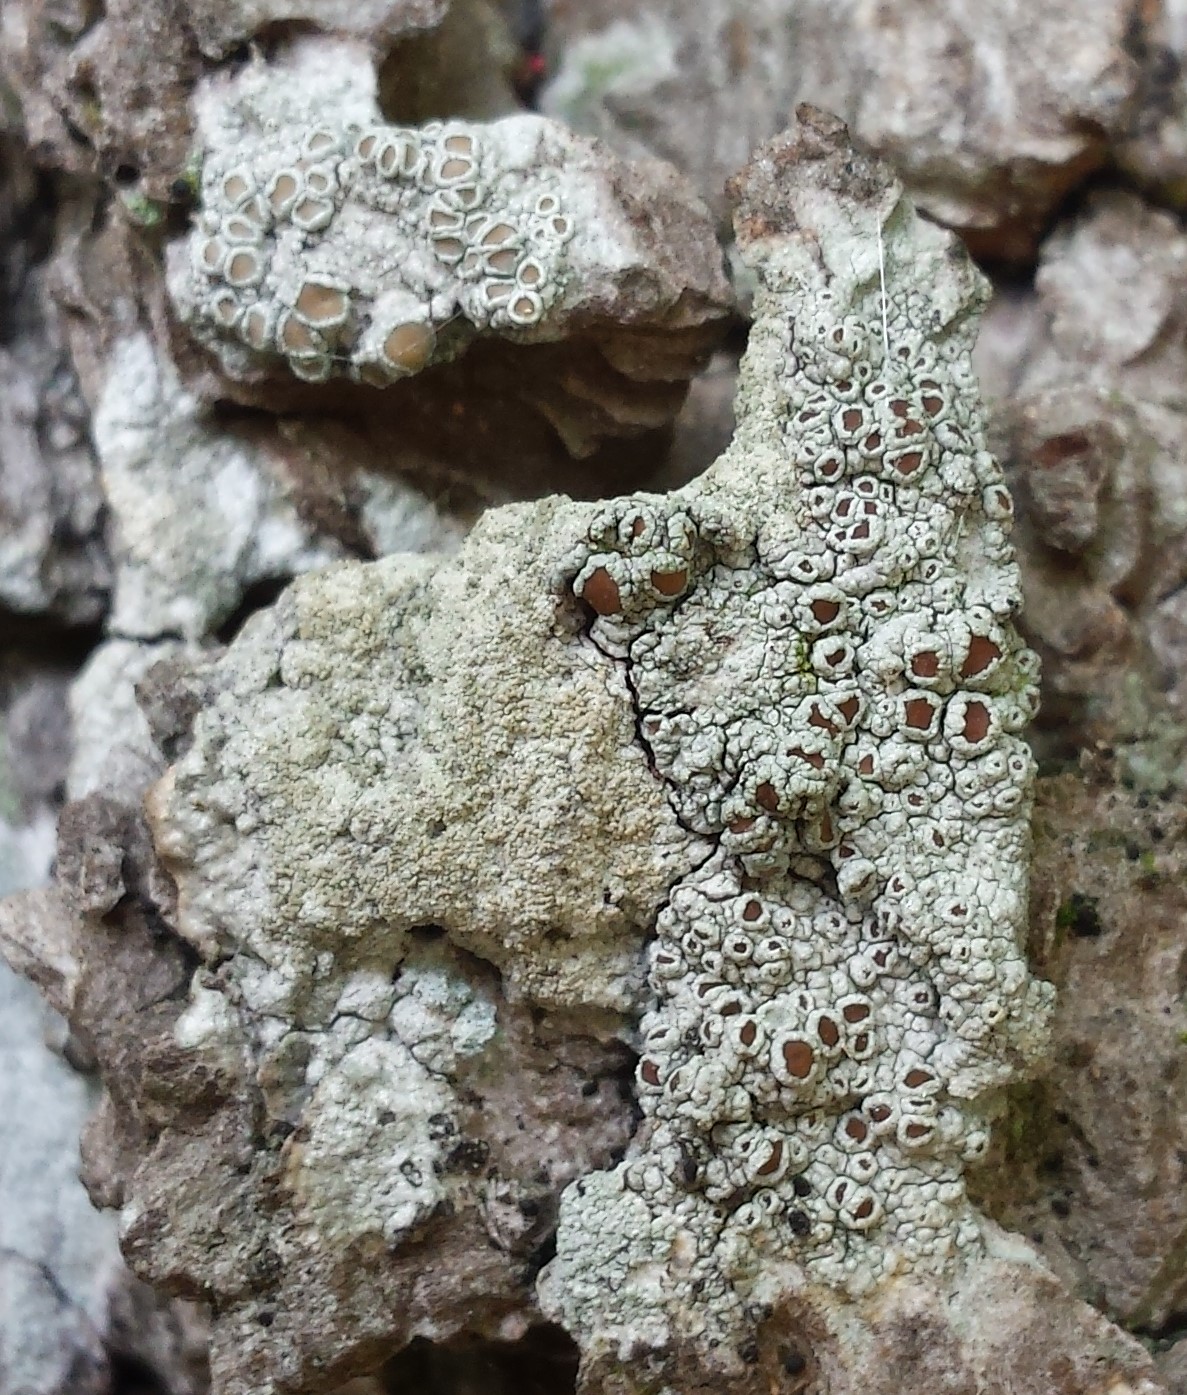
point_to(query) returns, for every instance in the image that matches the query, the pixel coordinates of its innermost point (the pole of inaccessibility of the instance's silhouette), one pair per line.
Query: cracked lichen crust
(819, 647)
(772, 720)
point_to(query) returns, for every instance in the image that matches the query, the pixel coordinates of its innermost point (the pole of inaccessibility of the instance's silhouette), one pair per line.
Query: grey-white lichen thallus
(350, 247)
(819, 642)
(740, 767)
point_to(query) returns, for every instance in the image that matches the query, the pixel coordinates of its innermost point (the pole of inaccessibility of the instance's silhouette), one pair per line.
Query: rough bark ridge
(990, 111)
(424, 817)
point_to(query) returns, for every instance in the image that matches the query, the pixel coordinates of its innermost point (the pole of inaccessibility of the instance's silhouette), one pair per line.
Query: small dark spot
(919, 713)
(386, 1117)
(749, 1353)
(1060, 1207)
(126, 175)
(425, 933)
(540, 1256)
(828, 1032)
(589, 1087)
(801, 1186)
(600, 592)
(266, 1318)
(800, 1222)
(468, 1155)
(1079, 914)
(793, 1363)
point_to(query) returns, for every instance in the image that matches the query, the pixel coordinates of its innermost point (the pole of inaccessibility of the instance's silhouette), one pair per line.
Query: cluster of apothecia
(349, 251)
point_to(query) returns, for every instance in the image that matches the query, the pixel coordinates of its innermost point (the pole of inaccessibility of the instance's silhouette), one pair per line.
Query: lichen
(840, 986)
(737, 771)
(341, 245)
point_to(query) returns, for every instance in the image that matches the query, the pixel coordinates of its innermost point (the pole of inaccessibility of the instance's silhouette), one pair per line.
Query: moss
(1026, 1122)
(1028, 1142)
(189, 180)
(627, 57)
(1026, 1135)
(91, 114)
(143, 211)
(1078, 915)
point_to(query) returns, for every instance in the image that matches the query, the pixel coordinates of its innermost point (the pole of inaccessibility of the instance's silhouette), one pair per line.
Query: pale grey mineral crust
(52, 559)
(199, 514)
(58, 1257)
(70, 1311)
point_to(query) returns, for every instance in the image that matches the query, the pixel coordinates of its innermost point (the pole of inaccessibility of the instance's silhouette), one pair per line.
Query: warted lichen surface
(818, 642)
(771, 721)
